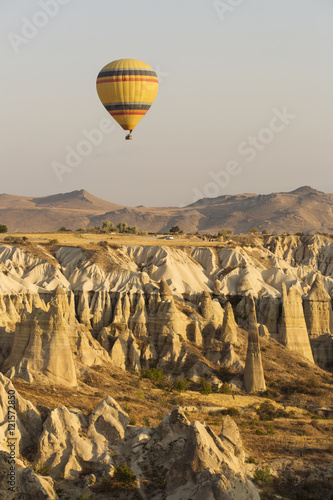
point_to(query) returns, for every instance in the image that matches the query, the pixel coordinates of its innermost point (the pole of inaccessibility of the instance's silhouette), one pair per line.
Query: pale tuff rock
(254, 379)
(85, 348)
(11, 311)
(165, 291)
(37, 343)
(195, 463)
(118, 311)
(263, 331)
(198, 371)
(217, 287)
(126, 309)
(317, 309)
(119, 351)
(70, 440)
(212, 313)
(105, 338)
(259, 271)
(97, 308)
(66, 304)
(145, 296)
(28, 484)
(107, 317)
(42, 335)
(248, 282)
(230, 359)
(96, 313)
(153, 303)
(211, 310)
(109, 421)
(138, 321)
(225, 354)
(230, 435)
(229, 327)
(207, 258)
(198, 463)
(268, 315)
(122, 310)
(134, 363)
(83, 312)
(172, 352)
(28, 421)
(148, 355)
(101, 310)
(293, 331)
(169, 318)
(194, 333)
(206, 306)
(62, 444)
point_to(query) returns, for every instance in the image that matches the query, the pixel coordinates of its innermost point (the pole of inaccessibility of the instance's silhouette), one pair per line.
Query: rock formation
(318, 310)
(293, 331)
(28, 421)
(194, 462)
(229, 327)
(42, 334)
(189, 458)
(27, 484)
(254, 379)
(69, 439)
(148, 294)
(39, 339)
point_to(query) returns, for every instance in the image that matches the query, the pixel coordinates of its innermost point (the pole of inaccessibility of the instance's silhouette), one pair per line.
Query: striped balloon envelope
(127, 89)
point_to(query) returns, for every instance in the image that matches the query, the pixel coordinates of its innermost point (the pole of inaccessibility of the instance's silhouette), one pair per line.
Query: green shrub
(146, 421)
(43, 470)
(181, 384)
(205, 387)
(263, 477)
(123, 474)
(3, 228)
(266, 411)
(225, 389)
(140, 394)
(232, 412)
(270, 428)
(86, 496)
(153, 375)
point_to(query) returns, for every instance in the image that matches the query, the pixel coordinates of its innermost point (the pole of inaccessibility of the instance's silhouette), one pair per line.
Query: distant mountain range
(302, 210)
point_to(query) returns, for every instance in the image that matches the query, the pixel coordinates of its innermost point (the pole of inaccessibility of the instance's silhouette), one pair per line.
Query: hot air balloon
(127, 89)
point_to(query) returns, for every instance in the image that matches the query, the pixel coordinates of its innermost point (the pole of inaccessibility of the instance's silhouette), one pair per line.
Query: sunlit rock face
(134, 312)
(293, 331)
(254, 379)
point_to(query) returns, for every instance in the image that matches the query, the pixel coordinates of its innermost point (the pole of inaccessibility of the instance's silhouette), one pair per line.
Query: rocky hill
(303, 210)
(178, 336)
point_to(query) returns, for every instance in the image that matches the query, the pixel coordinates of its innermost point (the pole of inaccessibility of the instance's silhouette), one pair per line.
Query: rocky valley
(168, 372)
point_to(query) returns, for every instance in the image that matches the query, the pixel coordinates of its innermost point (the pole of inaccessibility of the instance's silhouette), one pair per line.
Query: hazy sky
(245, 100)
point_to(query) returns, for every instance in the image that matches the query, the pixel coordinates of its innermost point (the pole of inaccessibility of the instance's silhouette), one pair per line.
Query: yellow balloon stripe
(127, 89)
